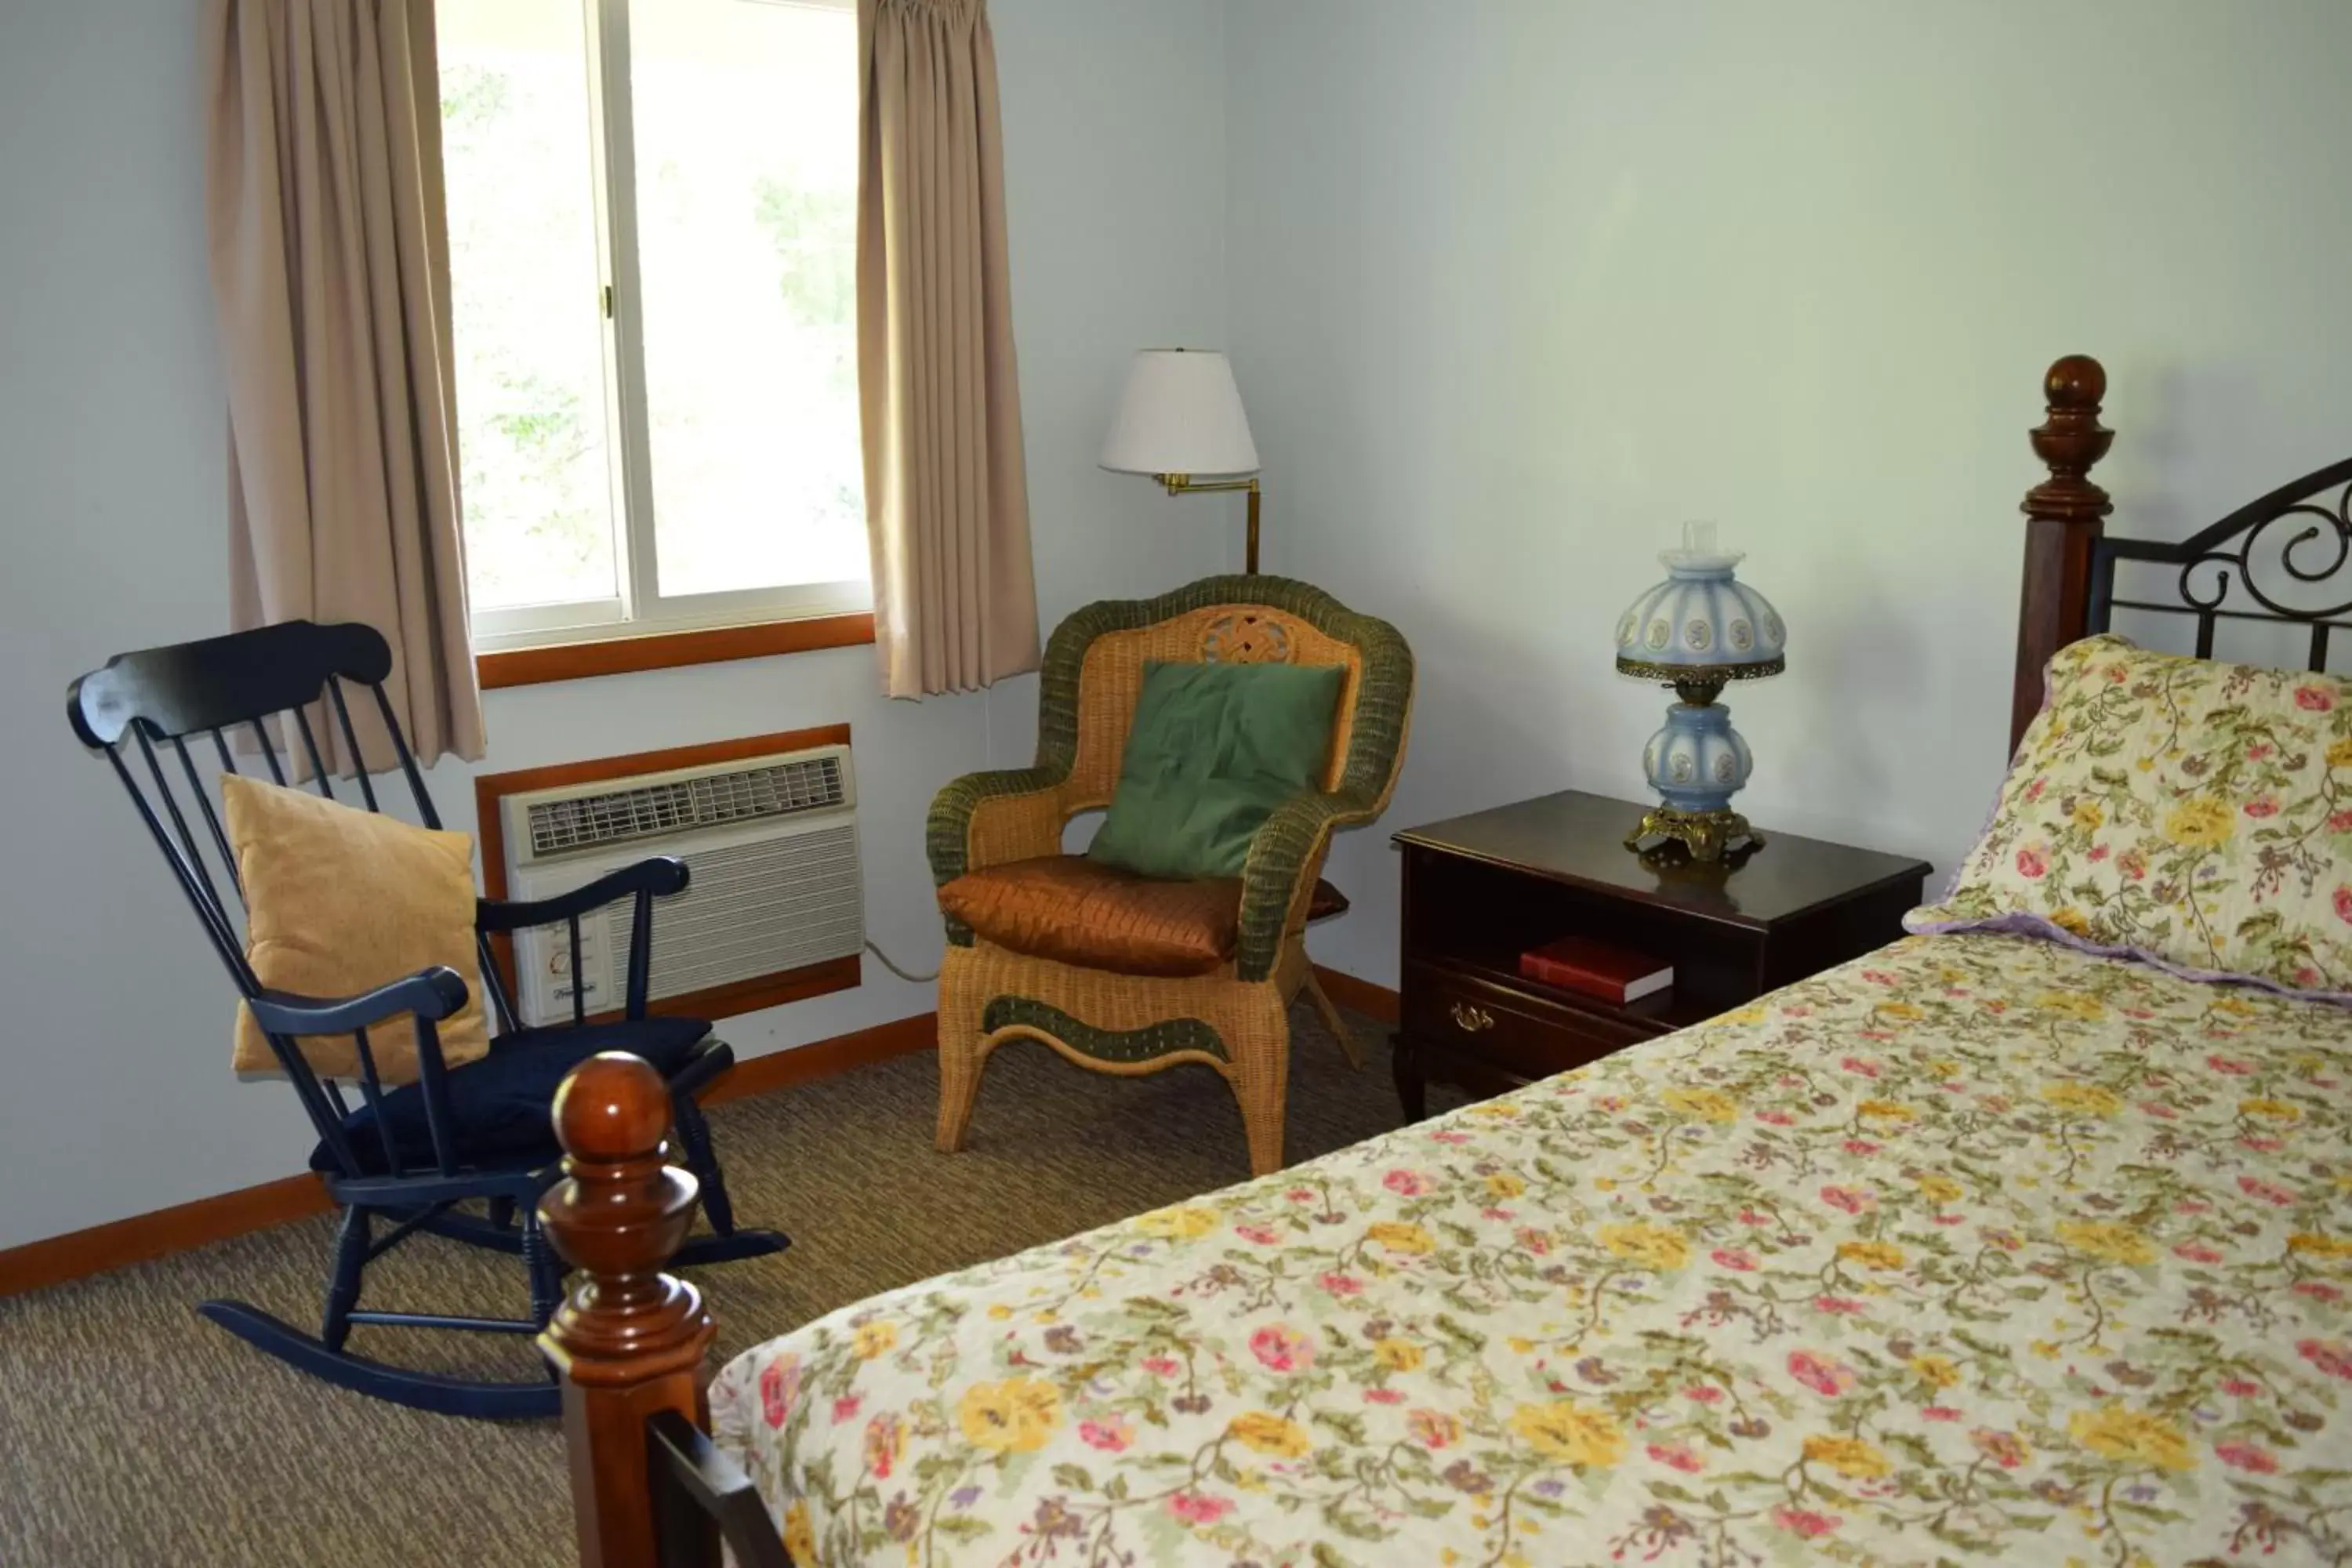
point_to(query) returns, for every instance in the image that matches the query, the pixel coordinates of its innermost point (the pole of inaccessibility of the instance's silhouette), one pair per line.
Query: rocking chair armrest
(659, 875)
(434, 994)
(1283, 856)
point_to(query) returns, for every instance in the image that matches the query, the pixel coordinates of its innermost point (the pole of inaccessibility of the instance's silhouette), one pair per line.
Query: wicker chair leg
(961, 1059)
(1261, 1080)
(1337, 1022)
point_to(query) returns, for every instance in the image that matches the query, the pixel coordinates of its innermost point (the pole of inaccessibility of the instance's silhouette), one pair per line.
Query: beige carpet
(132, 1432)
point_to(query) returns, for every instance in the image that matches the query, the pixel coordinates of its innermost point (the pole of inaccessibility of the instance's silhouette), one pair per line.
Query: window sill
(669, 650)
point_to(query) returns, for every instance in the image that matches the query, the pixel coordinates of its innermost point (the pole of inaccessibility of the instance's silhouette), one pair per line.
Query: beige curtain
(330, 281)
(946, 495)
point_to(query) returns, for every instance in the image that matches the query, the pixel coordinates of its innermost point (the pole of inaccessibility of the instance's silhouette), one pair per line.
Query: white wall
(115, 1094)
(1114, 189)
(1518, 286)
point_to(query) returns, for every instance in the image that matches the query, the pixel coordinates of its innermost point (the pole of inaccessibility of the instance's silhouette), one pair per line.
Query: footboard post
(2066, 513)
(629, 1340)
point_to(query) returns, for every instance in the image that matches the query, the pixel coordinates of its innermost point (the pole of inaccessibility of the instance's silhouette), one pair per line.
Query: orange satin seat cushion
(1076, 910)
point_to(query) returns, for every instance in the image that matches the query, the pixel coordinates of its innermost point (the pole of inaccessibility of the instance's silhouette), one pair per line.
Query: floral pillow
(2193, 814)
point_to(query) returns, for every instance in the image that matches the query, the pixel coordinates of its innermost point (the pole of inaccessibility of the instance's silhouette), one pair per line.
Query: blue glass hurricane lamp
(1697, 631)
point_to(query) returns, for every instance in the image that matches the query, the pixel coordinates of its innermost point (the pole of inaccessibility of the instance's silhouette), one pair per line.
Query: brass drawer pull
(1472, 1019)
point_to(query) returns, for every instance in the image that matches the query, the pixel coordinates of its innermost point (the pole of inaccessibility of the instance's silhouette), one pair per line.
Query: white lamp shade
(1179, 414)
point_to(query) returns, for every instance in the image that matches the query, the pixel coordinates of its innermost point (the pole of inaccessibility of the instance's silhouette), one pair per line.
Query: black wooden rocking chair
(407, 1156)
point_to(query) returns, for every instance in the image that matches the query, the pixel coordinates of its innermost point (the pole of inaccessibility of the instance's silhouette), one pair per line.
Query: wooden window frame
(669, 650)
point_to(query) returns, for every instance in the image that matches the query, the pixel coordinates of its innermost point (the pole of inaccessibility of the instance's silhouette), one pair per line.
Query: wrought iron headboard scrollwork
(2284, 560)
(2258, 540)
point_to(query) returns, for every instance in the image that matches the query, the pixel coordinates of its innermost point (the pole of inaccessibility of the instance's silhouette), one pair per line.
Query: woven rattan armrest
(988, 820)
(1283, 856)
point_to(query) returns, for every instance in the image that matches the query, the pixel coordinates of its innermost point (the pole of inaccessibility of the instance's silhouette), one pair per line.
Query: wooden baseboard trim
(1359, 995)
(714, 1002)
(823, 1058)
(55, 1259)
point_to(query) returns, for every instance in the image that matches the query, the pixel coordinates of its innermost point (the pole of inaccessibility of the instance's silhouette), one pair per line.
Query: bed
(1987, 1245)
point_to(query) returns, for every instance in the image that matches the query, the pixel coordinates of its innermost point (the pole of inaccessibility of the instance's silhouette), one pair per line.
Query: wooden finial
(631, 1340)
(2068, 514)
(2070, 441)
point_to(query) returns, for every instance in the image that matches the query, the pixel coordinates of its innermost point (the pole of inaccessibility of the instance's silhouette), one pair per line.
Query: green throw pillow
(1215, 748)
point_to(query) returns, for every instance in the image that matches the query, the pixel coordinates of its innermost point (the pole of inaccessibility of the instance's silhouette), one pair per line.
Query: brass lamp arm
(1181, 484)
(1178, 483)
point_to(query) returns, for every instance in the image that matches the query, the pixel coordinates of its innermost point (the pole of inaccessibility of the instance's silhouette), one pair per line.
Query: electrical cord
(890, 964)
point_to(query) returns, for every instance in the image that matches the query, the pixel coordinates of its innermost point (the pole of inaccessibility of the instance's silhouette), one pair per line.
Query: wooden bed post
(630, 1341)
(2067, 514)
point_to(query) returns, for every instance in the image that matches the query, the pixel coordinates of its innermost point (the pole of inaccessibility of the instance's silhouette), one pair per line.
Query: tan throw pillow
(2188, 813)
(339, 901)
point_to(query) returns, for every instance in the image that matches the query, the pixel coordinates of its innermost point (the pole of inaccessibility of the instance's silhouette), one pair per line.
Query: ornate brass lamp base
(1706, 833)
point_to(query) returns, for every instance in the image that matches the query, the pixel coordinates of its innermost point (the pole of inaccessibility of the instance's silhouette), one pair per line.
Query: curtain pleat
(955, 601)
(330, 282)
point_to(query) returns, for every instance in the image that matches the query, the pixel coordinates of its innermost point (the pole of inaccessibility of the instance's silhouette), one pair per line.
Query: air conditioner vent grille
(748, 794)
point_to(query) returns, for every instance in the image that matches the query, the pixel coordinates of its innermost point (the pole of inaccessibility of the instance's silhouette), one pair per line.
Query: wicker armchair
(1234, 1016)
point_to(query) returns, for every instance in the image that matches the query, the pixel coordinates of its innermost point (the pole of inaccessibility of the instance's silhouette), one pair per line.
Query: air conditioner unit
(772, 846)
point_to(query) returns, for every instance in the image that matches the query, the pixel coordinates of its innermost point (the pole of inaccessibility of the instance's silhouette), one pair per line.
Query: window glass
(535, 473)
(746, 147)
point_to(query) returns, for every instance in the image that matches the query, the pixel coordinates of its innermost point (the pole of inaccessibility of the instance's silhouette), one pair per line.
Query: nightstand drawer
(1528, 1037)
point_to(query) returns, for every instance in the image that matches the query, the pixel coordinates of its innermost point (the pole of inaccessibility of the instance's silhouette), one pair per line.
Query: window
(652, 234)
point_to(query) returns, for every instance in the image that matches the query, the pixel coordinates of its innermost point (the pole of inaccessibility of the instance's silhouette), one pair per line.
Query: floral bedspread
(1976, 1249)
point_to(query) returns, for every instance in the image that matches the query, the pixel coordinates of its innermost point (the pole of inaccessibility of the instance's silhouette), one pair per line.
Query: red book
(1612, 973)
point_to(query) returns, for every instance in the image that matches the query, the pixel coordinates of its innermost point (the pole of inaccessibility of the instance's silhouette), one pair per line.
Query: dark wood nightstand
(1481, 889)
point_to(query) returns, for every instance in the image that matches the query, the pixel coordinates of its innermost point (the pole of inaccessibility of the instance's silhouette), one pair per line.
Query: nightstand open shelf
(1676, 1007)
(1481, 889)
